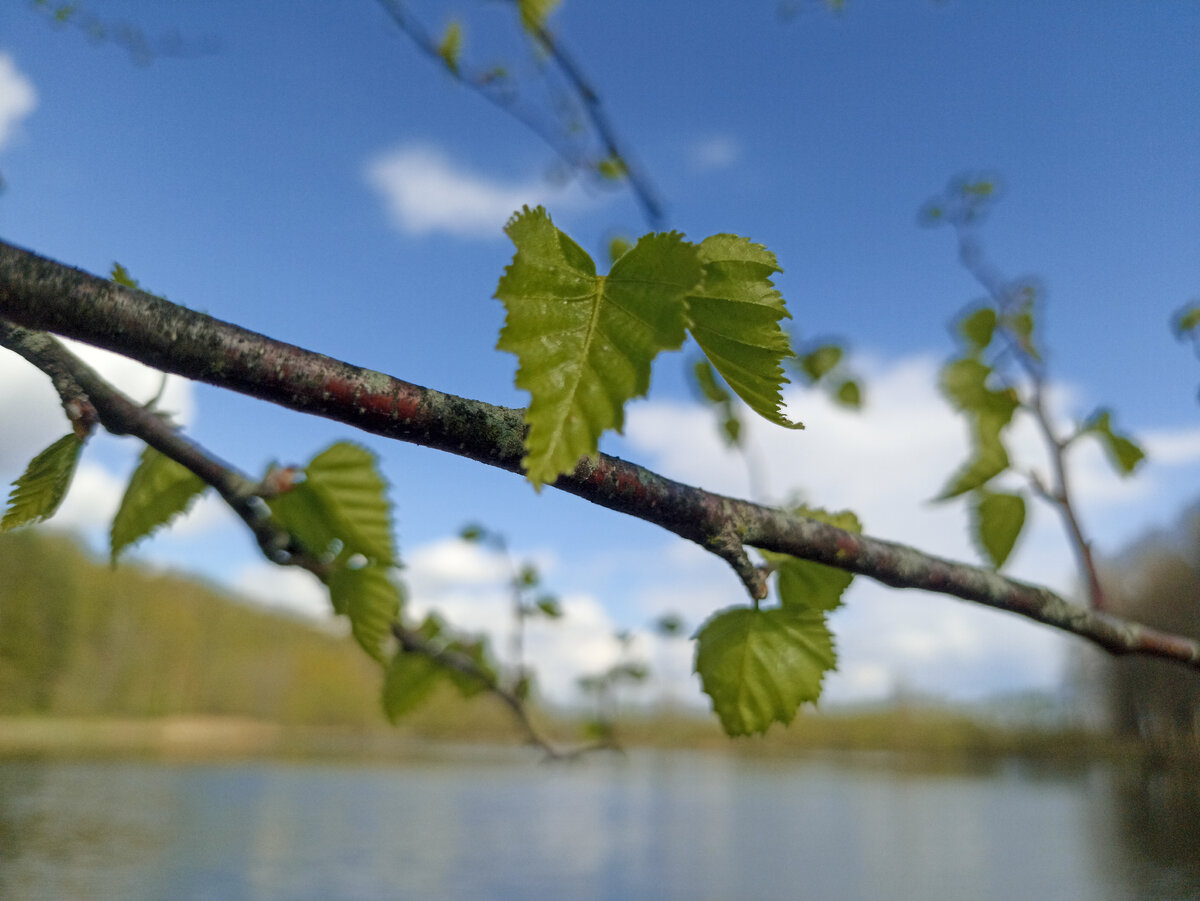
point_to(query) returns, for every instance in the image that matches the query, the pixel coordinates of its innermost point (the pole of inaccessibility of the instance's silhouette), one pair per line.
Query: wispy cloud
(426, 192)
(17, 98)
(714, 152)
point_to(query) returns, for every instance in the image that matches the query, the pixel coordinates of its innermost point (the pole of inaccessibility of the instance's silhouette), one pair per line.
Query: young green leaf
(38, 492)
(450, 48)
(468, 684)
(849, 394)
(304, 513)
(618, 246)
(1186, 320)
(410, 679)
(1124, 454)
(1021, 324)
(371, 601)
(759, 666)
(121, 276)
(989, 460)
(996, 522)
(820, 362)
(712, 391)
(669, 624)
(706, 380)
(964, 383)
(473, 533)
(585, 342)
(534, 14)
(613, 168)
(549, 606)
(977, 329)
(159, 490)
(806, 585)
(735, 314)
(353, 496)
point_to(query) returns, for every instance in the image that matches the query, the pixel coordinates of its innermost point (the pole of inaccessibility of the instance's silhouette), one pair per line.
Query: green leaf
(669, 624)
(450, 48)
(731, 429)
(528, 576)
(989, 460)
(849, 394)
(618, 246)
(410, 679)
(613, 168)
(352, 497)
(820, 362)
(159, 490)
(1186, 320)
(534, 14)
(303, 513)
(371, 601)
(585, 342)
(978, 328)
(1124, 454)
(964, 383)
(473, 533)
(996, 522)
(735, 314)
(469, 685)
(932, 213)
(1021, 322)
(706, 380)
(759, 666)
(549, 607)
(38, 492)
(807, 585)
(121, 276)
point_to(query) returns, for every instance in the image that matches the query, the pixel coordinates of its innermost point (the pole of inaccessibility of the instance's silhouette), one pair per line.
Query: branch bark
(41, 294)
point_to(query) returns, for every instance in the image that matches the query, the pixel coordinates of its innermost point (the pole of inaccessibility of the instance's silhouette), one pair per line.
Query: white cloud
(286, 587)
(714, 152)
(92, 500)
(17, 98)
(426, 192)
(467, 584)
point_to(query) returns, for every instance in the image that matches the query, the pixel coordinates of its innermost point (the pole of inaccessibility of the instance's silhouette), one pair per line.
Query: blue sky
(317, 179)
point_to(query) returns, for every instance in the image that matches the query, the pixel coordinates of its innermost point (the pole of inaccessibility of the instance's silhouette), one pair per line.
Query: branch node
(728, 546)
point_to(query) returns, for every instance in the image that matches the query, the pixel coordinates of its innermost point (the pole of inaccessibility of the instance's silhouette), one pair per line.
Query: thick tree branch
(41, 294)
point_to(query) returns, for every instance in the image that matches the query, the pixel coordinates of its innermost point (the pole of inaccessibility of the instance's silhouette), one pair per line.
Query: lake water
(650, 826)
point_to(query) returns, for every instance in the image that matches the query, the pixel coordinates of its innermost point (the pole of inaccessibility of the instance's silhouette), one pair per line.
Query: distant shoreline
(222, 737)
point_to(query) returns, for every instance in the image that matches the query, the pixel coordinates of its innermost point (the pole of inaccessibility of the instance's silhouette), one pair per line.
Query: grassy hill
(78, 638)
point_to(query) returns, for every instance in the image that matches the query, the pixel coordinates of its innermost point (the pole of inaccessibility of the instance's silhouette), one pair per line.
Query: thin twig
(501, 94)
(970, 253)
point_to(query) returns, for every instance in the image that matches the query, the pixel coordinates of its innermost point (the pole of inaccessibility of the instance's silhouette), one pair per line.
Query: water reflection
(672, 825)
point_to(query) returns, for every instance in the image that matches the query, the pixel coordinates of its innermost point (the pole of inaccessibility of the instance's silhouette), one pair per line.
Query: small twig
(411, 641)
(971, 255)
(638, 182)
(501, 94)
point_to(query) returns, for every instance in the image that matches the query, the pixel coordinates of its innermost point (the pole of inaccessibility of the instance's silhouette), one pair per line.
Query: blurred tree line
(79, 638)
(1156, 582)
